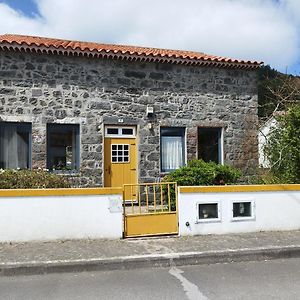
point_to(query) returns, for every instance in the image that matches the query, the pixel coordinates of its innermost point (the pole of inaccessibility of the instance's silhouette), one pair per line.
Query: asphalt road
(276, 279)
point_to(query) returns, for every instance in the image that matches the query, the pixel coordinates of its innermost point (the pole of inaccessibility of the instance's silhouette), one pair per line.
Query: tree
(276, 92)
(279, 99)
(283, 146)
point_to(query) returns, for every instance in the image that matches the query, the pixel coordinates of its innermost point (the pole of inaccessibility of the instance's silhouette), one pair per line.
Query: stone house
(109, 114)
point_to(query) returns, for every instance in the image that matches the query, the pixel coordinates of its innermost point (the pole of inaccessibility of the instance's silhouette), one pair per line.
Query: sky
(263, 30)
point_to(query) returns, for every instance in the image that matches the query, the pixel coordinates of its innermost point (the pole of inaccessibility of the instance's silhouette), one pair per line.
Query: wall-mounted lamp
(149, 111)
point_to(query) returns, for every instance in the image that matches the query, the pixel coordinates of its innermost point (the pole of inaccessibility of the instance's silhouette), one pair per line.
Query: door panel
(120, 164)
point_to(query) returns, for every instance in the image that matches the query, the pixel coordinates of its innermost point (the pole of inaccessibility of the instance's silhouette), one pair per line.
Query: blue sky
(27, 7)
(265, 30)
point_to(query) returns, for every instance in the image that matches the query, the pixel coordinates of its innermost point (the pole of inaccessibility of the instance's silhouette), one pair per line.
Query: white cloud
(12, 21)
(267, 30)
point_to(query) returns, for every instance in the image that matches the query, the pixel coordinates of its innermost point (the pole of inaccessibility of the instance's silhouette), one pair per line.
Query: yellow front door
(120, 164)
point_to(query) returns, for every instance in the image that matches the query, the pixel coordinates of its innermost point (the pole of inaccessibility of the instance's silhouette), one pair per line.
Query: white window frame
(238, 219)
(184, 145)
(119, 134)
(120, 162)
(222, 146)
(23, 127)
(210, 220)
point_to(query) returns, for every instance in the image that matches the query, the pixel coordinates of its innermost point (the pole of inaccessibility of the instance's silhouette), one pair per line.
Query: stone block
(60, 113)
(123, 81)
(135, 74)
(57, 94)
(29, 66)
(7, 91)
(156, 76)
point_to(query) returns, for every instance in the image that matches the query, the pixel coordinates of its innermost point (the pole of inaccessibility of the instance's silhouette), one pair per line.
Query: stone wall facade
(41, 89)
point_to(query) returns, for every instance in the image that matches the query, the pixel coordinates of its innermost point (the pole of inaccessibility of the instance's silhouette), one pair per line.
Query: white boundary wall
(43, 218)
(271, 211)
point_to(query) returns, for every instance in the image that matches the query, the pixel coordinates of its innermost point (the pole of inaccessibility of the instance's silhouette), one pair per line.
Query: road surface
(276, 279)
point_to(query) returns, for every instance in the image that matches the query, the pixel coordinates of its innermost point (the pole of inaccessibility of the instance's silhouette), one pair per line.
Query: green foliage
(283, 147)
(266, 176)
(276, 91)
(267, 78)
(198, 172)
(27, 179)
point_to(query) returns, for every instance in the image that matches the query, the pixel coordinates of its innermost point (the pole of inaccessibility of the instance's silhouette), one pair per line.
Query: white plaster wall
(263, 133)
(273, 211)
(60, 217)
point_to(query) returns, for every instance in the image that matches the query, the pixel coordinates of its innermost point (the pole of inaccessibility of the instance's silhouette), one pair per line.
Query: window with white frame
(243, 209)
(62, 146)
(208, 212)
(120, 131)
(15, 145)
(210, 144)
(172, 148)
(120, 153)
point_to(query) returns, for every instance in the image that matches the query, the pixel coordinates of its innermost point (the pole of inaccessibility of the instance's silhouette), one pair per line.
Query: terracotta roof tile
(65, 47)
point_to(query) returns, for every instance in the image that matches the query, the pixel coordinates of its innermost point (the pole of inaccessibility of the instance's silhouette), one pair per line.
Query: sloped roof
(13, 42)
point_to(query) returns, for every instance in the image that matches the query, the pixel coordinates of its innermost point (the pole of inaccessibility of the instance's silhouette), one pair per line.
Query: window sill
(199, 221)
(241, 219)
(164, 173)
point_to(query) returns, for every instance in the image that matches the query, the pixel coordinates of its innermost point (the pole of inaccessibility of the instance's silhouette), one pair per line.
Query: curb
(148, 261)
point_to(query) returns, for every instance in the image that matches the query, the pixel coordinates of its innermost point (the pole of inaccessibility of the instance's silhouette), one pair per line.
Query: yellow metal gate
(150, 209)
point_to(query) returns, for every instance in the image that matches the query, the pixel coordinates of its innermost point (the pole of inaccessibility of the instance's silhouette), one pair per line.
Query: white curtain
(13, 148)
(171, 152)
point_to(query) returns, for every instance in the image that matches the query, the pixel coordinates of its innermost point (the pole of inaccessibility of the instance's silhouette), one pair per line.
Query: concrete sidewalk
(87, 255)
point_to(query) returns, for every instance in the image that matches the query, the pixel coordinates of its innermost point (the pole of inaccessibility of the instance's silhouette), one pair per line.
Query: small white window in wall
(242, 210)
(210, 144)
(15, 145)
(172, 148)
(62, 146)
(208, 212)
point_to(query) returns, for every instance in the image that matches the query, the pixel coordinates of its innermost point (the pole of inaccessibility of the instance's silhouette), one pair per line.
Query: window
(112, 131)
(120, 153)
(15, 145)
(62, 146)
(210, 144)
(242, 210)
(120, 132)
(208, 212)
(172, 148)
(127, 131)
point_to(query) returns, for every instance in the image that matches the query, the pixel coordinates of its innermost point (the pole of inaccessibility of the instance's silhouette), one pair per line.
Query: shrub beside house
(27, 179)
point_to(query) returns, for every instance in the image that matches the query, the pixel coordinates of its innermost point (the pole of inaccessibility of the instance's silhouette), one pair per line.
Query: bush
(198, 172)
(266, 176)
(27, 179)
